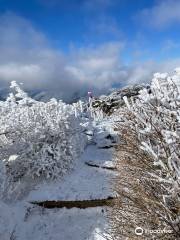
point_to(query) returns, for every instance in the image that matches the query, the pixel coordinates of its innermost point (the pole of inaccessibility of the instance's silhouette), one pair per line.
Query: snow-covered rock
(109, 104)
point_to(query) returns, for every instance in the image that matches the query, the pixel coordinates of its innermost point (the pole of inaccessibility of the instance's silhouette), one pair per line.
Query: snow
(64, 131)
(24, 221)
(83, 182)
(54, 224)
(155, 116)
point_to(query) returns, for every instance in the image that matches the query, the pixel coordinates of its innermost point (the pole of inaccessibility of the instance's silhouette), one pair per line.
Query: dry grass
(140, 202)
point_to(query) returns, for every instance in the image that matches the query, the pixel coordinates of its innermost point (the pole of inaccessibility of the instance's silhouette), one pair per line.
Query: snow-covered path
(81, 183)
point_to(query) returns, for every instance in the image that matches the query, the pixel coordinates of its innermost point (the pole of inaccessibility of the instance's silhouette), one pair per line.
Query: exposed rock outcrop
(109, 104)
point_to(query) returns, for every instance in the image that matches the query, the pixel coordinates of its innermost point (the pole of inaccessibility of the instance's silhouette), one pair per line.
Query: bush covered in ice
(37, 138)
(149, 162)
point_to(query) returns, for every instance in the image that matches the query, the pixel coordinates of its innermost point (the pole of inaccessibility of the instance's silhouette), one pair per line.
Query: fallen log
(99, 166)
(76, 204)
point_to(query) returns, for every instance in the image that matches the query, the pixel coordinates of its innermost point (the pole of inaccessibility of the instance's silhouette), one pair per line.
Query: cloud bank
(162, 15)
(27, 57)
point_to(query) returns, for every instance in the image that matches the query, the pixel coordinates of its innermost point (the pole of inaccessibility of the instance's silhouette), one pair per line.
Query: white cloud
(98, 66)
(27, 57)
(143, 72)
(163, 14)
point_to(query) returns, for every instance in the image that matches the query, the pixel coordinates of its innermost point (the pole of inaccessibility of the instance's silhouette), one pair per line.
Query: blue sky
(70, 46)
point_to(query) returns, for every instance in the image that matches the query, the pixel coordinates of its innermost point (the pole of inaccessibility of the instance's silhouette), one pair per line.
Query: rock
(109, 104)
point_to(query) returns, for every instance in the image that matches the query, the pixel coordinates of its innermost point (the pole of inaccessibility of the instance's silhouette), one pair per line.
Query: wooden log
(76, 204)
(106, 147)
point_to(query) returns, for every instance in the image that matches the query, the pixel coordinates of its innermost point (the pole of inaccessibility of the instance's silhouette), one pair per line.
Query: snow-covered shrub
(2, 177)
(149, 163)
(37, 138)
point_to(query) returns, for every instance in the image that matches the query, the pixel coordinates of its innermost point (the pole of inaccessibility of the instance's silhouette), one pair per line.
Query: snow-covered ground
(83, 182)
(51, 224)
(23, 221)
